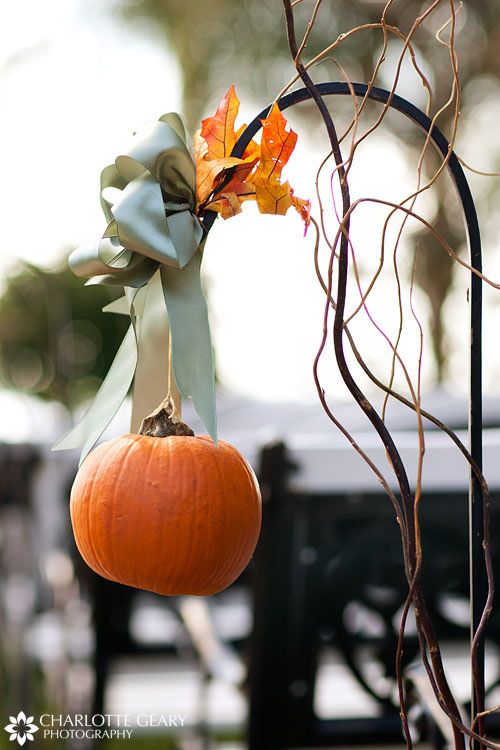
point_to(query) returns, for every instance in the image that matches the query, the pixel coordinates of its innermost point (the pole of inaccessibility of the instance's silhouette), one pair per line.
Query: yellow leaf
(273, 197)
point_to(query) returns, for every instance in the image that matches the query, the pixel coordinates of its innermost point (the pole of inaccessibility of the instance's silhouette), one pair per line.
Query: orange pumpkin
(173, 515)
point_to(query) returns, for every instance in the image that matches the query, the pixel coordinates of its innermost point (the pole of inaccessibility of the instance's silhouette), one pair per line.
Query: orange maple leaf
(218, 131)
(208, 170)
(213, 145)
(278, 143)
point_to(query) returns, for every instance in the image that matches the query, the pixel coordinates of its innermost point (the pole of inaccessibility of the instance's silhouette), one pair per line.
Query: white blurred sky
(74, 82)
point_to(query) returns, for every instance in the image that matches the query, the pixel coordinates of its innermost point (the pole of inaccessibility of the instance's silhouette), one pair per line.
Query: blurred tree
(222, 41)
(54, 340)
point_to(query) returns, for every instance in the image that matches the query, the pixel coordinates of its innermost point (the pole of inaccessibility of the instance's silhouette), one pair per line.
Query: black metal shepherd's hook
(478, 582)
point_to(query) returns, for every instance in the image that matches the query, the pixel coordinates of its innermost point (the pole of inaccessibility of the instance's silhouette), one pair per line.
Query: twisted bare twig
(408, 508)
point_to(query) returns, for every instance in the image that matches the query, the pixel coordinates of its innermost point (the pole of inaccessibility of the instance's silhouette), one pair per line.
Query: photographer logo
(21, 728)
(86, 726)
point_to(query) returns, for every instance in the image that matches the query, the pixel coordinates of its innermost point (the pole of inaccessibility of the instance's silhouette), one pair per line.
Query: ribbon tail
(108, 400)
(151, 373)
(192, 353)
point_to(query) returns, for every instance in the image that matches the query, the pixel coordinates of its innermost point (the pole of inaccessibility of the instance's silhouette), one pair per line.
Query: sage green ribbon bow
(152, 246)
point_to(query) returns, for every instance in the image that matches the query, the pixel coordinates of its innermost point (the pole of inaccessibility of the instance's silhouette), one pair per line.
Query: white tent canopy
(326, 461)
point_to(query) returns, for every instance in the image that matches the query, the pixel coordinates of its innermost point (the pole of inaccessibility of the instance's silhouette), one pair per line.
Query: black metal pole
(478, 580)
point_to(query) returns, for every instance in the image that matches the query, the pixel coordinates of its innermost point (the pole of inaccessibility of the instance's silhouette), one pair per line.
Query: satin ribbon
(152, 246)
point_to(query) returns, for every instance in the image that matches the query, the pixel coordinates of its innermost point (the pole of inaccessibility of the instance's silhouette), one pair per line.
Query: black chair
(323, 560)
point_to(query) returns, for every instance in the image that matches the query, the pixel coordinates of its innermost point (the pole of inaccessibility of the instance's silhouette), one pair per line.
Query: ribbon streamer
(152, 244)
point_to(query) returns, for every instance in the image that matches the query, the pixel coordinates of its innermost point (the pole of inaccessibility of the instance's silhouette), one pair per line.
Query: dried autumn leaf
(278, 143)
(252, 151)
(239, 188)
(208, 170)
(224, 182)
(273, 197)
(218, 131)
(304, 209)
(213, 145)
(211, 173)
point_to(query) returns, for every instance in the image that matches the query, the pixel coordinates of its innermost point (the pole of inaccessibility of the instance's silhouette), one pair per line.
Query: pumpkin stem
(165, 421)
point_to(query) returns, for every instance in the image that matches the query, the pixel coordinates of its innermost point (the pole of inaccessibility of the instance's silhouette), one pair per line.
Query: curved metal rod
(478, 584)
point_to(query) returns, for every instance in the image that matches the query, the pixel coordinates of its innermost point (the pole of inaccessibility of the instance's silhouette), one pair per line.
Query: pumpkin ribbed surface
(173, 515)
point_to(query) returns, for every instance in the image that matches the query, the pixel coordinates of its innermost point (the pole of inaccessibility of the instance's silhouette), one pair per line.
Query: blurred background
(300, 651)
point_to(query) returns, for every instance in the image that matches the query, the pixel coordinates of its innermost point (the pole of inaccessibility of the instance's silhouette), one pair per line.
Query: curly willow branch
(407, 507)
